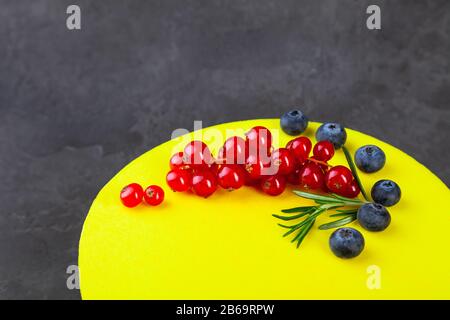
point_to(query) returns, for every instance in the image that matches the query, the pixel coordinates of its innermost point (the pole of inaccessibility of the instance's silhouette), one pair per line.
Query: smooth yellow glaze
(230, 247)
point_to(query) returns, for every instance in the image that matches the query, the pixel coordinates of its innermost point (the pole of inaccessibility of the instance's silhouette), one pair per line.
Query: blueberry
(386, 192)
(294, 122)
(346, 243)
(373, 217)
(333, 132)
(370, 158)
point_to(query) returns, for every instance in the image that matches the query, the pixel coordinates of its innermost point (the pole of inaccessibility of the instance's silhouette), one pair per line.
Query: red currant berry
(300, 147)
(311, 176)
(248, 180)
(176, 161)
(231, 177)
(283, 160)
(259, 141)
(131, 195)
(179, 180)
(351, 191)
(234, 151)
(255, 166)
(154, 195)
(273, 185)
(197, 154)
(204, 183)
(323, 150)
(338, 179)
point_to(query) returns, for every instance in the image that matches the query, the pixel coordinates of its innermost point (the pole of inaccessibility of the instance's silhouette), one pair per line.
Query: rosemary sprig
(310, 213)
(354, 171)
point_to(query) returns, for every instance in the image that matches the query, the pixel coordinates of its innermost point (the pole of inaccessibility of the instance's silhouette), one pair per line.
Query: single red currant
(154, 195)
(131, 195)
(323, 150)
(231, 177)
(259, 141)
(311, 176)
(273, 185)
(234, 151)
(179, 180)
(204, 183)
(283, 160)
(248, 180)
(300, 147)
(351, 191)
(338, 178)
(197, 154)
(176, 161)
(255, 166)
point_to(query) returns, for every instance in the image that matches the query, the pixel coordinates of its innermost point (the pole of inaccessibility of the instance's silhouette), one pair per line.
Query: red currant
(283, 160)
(179, 180)
(154, 195)
(273, 185)
(248, 180)
(255, 166)
(259, 141)
(338, 179)
(176, 161)
(131, 195)
(351, 191)
(197, 154)
(323, 150)
(234, 151)
(204, 183)
(311, 176)
(300, 147)
(231, 177)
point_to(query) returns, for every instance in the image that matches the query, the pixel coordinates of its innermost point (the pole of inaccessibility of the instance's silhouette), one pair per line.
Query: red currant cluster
(253, 161)
(133, 194)
(315, 172)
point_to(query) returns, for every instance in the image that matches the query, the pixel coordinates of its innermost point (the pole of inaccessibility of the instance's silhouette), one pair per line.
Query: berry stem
(355, 173)
(320, 162)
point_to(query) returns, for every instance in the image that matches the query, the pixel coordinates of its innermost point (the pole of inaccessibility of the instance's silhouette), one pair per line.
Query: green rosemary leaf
(346, 210)
(314, 196)
(293, 228)
(344, 214)
(298, 209)
(337, 223)
(344, 199)
(355, 173)
(304, 232)
(287, 218)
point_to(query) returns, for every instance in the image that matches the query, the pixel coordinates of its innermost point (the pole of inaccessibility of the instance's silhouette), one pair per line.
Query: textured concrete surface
(76, 106)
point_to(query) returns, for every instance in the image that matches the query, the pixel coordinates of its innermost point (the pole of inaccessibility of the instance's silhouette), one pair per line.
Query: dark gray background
(76, 106)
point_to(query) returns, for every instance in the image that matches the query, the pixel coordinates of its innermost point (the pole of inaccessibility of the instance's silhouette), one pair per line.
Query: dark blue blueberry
(294, 122)
(373, 217)
(370, 158)
(333, 132)
(346, 243)
(386, 192)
